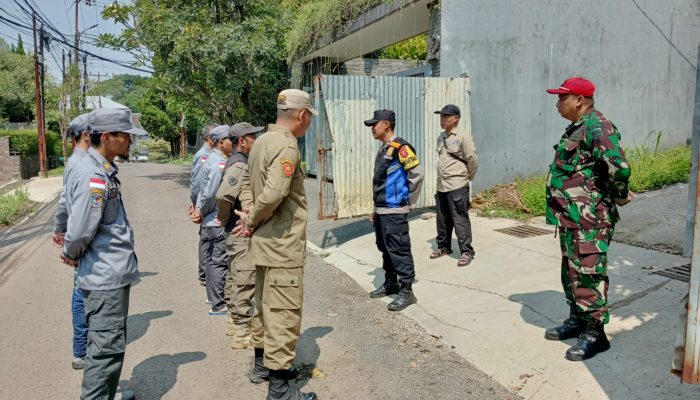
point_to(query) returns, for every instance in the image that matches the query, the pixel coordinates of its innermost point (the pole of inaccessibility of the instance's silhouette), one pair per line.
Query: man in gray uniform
(198, 161)
(213, 249)
(99, 241)
(78, 130)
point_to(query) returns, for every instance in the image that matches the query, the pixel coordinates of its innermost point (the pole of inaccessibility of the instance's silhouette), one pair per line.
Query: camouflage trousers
(584, 271)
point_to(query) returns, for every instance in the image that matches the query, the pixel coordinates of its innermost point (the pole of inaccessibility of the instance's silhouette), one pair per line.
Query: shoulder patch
(96, 199)
(287, 167)
(232, 180)
(395, 144)
(222, 164)
(203, 159)
(407, 157)
(97, 183)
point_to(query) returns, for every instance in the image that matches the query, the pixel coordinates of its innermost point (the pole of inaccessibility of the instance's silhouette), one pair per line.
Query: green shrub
(654, 170)
(533, 192)
(158, 150)
(14, 205)
(26, 142)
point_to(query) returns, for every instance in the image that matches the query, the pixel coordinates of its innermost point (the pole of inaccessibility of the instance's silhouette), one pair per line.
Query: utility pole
(85, 78)
(63, 64)
(76, 35)
(182, 135)
(39, 104)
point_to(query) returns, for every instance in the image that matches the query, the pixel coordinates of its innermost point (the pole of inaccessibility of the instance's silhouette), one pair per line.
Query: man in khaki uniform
(457, 165)
(240, 281)
(274, 201)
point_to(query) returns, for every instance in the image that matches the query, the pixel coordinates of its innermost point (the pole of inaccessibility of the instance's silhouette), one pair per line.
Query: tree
(17, 82)
(125, 89)
(20, 46)
(225, 59)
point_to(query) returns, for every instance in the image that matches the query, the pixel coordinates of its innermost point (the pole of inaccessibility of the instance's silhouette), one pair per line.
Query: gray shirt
(99, 235)
(64, 201)
(200, 158)
(212, 173)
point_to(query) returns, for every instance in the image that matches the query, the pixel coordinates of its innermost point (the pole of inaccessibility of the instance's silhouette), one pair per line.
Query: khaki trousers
(240, 282)
(276, 325)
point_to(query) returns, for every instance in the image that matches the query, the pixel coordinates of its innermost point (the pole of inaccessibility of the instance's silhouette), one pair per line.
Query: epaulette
(395, 144)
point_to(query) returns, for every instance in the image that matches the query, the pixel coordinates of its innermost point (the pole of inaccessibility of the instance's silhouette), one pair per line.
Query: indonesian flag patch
(98, 184)
(203, 159)
(222, 165)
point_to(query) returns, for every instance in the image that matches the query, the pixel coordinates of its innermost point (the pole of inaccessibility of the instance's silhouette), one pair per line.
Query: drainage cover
(523, 231)
(681, 273)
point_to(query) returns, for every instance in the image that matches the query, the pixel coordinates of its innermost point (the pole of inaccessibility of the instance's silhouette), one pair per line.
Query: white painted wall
(514, 50)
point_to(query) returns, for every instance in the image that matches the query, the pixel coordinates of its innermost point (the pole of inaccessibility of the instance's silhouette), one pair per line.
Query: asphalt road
(177, 351)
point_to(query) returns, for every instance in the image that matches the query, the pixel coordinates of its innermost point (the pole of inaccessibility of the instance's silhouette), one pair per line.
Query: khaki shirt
(227, 195)
(273, 192)
(452, 173)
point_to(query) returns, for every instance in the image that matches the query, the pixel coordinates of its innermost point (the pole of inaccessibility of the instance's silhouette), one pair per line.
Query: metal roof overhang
(379, 27)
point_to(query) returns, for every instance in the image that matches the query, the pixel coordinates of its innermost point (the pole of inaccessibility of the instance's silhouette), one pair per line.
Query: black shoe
(404, 299)
(260, 373)
(591, 342)
(384, 290)
(280, 389)
(571, 328)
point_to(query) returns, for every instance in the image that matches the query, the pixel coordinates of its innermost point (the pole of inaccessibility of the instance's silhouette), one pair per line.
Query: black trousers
(452, 212)
(391, 232)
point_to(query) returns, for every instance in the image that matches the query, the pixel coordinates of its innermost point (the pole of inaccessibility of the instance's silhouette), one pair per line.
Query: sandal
(465, 259)
(439, 253)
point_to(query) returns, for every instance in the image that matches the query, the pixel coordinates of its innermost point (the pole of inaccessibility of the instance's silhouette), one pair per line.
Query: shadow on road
(155, 376)
(308, 352)
(138, 324)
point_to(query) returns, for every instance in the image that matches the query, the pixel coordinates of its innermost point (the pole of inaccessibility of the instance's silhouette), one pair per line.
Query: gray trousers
(201, 271)
(105, 314)
(213, 252)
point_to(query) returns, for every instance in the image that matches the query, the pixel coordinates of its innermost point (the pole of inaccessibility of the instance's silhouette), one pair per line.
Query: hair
(96, 139)
(206, 131)
(392, 125)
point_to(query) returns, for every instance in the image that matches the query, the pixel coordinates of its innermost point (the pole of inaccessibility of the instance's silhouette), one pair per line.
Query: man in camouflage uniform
(240, 281)
(587, 181)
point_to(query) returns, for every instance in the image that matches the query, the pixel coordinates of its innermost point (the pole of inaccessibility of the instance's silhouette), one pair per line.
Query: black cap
(449, 109)
(381, 115)
(242, 129)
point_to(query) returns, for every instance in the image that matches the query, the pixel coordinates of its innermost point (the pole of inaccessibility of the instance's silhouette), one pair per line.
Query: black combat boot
(280, 389)
(404, 299)
(571, 328)
(385, 290)
(591, 342)
(260, 373)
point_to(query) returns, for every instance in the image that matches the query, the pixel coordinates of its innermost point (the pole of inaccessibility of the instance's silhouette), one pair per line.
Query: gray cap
(242, 129)
(218, 133)
(78, 125)
(109, 120)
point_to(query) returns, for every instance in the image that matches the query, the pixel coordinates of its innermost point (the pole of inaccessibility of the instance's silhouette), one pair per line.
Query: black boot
(280, 389)
(385, 290)
(591, 342)
(404, 299)
(571, 328)
(260, 373)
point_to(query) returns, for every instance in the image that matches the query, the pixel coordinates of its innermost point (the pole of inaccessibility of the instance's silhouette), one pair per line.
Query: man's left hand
(58, 239)
(630, 196)
(241, 229)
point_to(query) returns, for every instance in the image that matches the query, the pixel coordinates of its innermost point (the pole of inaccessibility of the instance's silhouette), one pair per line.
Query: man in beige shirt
(457, 165)
(275, 214)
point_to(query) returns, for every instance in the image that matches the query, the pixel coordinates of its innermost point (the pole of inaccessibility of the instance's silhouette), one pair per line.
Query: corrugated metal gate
(339, 143)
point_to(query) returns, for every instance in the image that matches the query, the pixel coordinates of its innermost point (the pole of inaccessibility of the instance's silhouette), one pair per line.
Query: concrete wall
(513, 50)
(9, 165)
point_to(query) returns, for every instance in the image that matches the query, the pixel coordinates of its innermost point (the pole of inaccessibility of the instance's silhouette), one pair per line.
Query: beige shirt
(452, 173)
(273, 192)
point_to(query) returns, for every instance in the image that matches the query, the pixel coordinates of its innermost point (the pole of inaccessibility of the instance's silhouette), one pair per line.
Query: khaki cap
(294, 99)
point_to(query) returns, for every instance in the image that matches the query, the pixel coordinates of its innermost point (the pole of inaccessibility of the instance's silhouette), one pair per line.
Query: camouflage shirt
(588, 173)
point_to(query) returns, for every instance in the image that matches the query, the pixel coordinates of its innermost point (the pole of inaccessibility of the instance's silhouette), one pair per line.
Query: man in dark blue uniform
(398, 177)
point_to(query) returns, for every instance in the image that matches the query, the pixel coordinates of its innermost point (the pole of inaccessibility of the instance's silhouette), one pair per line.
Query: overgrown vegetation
(652, 169)
(14, 205)
(415, 48)
(26, 142)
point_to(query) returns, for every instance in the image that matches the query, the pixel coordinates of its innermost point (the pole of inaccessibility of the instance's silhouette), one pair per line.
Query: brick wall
(9, 165)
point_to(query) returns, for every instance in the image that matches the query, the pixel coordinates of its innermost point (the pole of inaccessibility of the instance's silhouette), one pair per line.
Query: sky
(61, 13)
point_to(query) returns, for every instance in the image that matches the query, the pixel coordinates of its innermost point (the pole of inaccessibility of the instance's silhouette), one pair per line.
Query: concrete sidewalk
(494, 312)
(44, 190)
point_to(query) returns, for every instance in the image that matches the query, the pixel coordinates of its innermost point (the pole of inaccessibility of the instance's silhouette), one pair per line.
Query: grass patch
(14, 205)
(525, 198)
(58, 171)
(177, 160)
